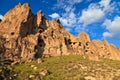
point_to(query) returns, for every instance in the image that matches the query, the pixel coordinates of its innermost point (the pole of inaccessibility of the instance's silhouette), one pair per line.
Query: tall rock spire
(29, 37)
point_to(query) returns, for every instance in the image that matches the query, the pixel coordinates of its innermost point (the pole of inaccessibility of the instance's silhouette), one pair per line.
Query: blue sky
(99, 18)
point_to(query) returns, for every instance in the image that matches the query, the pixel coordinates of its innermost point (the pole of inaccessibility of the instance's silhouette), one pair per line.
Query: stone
(34, 68)
(29, 37)
(39, 60)
(89, 78)
(31, 76)
(44, 73)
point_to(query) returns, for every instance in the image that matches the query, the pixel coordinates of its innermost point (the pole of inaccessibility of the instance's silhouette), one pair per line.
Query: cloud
(54, 15)
(74, 1)
(107, 34)
(65, 3)
(68, 19)
(91, 15)
(1, 17)
(74, 19)
(113, 28)
(96, 12)
(105, 3)
(68, 16)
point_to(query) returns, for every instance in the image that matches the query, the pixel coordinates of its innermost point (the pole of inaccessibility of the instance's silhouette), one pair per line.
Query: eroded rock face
(19, 28)
(29, 37)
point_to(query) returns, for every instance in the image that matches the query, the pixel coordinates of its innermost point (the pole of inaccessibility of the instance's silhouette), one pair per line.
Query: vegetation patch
(72, 67)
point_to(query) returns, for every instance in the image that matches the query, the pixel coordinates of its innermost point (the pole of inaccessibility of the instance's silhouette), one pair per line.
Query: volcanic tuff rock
(29, 37)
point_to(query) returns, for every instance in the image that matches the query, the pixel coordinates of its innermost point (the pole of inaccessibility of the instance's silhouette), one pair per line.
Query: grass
(72, 67)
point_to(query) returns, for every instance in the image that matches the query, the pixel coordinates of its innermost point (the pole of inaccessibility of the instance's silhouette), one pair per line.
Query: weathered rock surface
(29, 37)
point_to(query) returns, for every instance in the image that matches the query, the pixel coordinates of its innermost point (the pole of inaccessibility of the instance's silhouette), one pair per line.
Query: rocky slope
(29, 37)
(70, 67)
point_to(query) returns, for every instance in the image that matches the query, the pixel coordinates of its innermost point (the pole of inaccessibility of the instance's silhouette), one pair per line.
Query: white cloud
(91, 15)
(55, 15)
(78, 20)
(1, 17)
(68, 29)
(73, 1)
(65, 22)
(105, 3)
(68, 18)
(107, 34)
(65, 3)
(95, 12)
(113, 28)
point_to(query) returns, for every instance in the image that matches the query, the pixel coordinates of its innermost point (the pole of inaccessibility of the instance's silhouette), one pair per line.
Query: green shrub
(6, 72)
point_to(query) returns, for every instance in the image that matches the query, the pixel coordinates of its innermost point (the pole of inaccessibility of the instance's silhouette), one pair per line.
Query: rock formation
(29, 37)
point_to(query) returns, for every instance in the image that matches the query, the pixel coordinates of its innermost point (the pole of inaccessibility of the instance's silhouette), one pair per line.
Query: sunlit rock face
(29, 37)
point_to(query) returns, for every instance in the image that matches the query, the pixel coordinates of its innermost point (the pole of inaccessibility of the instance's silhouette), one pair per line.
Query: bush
(6, 72)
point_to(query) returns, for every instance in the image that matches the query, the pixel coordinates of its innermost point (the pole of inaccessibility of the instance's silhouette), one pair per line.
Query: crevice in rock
(39, 48)
(0, 20)
(12, 33)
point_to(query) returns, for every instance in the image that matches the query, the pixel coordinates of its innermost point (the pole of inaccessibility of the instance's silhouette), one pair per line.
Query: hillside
(70, 67)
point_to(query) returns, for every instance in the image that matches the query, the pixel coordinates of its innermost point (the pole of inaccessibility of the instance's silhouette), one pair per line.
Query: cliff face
(29, 37)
